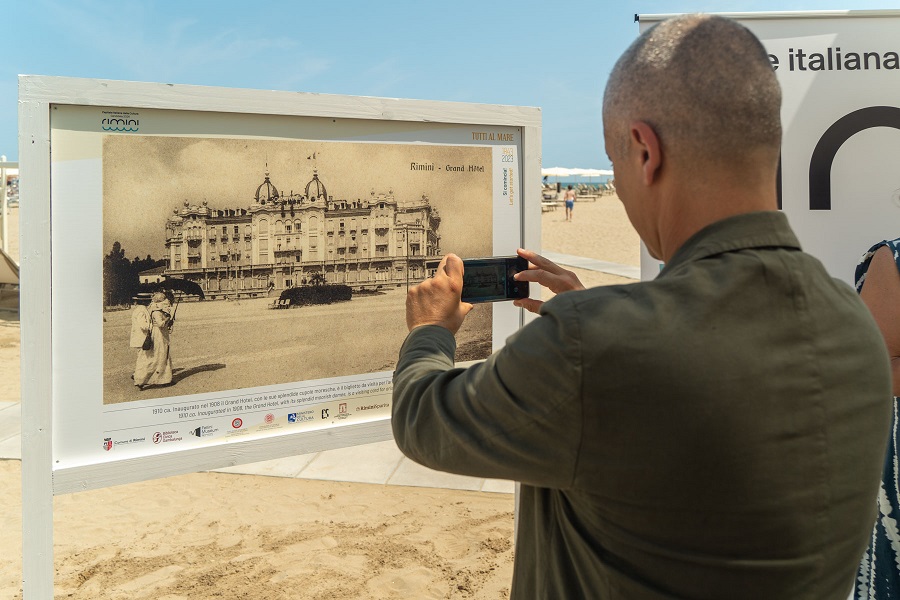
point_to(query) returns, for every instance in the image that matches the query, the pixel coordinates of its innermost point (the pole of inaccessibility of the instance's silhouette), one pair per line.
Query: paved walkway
(379, 463)
(580, 262)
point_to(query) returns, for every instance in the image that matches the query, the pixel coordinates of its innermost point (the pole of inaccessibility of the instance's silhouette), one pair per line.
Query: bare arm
(881, 293)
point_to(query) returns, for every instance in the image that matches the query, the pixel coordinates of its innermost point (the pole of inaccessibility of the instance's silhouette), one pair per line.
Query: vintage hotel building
(287, 240)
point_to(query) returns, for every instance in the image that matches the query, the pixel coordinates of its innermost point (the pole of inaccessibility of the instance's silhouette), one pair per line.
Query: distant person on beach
(154, 364)
(878, 284)
(570, 202)
(717, 432)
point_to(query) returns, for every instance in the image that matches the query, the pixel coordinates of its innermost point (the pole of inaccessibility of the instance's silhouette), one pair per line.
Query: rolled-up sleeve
(517, 415)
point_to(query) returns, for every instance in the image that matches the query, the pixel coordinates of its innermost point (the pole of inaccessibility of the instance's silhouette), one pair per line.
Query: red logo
(107, 444)
(270, 417)
(237, 423)
(157, 437)
(342, 408)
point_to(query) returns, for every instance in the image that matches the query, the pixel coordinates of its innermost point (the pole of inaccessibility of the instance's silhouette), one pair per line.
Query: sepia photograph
(237, 263)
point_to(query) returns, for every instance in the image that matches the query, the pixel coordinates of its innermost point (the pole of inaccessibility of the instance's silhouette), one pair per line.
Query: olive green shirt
(715, 433)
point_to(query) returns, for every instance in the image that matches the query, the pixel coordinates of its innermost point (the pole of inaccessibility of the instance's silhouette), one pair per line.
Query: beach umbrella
(591, 173)
(175, 284)
(556, 172)
(594, 172)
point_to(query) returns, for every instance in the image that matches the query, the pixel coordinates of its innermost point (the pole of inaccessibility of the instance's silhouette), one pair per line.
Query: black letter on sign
(831, 141)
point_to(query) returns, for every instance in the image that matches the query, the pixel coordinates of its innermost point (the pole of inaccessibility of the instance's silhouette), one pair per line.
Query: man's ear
(644, 139)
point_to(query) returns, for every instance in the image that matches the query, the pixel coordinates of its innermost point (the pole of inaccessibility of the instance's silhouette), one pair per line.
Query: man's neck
(690, 205)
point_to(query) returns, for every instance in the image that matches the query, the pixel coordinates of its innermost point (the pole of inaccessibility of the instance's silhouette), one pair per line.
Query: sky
(555, 55)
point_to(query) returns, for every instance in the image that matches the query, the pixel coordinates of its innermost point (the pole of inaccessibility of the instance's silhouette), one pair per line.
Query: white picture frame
(46, 472)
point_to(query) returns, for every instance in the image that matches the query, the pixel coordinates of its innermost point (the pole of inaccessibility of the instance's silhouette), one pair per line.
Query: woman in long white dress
(154, 366)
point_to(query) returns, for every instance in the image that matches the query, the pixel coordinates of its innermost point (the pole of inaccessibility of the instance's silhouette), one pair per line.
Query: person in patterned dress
(878, 284)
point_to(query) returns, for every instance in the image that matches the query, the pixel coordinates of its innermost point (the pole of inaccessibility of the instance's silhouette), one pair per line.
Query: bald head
(705, 86)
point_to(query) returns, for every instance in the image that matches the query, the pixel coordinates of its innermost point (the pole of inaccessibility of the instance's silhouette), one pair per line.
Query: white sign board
(840, 78)
(286, 226)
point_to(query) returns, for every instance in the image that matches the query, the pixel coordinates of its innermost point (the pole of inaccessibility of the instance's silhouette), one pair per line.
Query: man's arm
(516, 416)
(881, 293)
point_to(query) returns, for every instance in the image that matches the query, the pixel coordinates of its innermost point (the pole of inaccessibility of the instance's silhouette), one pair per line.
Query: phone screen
(491, 279)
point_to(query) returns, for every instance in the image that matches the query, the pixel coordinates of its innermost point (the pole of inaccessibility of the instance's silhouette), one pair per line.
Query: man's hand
(436, 301)
(548, 274)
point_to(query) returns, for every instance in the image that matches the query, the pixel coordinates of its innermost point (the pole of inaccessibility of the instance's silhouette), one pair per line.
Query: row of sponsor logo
(237, 425)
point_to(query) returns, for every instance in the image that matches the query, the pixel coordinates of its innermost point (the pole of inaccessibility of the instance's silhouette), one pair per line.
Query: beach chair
(9, 269)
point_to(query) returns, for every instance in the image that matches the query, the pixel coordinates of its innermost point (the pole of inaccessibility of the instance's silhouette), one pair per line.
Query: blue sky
(555, 55)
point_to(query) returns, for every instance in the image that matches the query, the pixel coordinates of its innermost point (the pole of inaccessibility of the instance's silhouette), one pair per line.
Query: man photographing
(715, 433)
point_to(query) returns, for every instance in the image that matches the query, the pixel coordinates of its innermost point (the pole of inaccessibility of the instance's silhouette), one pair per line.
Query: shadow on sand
(181, 374)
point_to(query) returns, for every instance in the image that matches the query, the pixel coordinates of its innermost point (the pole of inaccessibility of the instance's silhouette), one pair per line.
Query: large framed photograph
(293, 267)
(228, 268)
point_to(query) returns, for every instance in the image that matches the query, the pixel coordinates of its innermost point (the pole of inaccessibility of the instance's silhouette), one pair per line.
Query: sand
(228, 537)
(599, 229)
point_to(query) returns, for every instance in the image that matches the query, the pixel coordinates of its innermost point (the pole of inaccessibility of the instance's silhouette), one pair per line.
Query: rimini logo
(123, 122)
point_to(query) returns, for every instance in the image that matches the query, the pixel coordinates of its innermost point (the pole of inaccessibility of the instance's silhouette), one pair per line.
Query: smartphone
(491, 279)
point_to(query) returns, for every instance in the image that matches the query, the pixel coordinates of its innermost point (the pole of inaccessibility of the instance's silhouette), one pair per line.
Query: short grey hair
(705, 85)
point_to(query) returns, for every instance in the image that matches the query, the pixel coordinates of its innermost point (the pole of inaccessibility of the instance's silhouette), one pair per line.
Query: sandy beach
(225, 536)
(208, 358)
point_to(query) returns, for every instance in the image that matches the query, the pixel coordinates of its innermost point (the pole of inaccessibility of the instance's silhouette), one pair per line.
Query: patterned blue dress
(879, 571)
